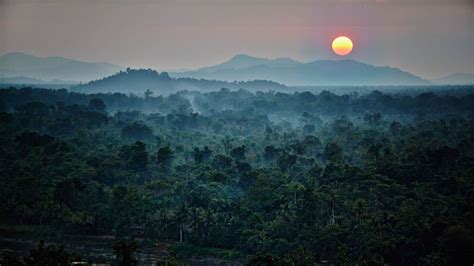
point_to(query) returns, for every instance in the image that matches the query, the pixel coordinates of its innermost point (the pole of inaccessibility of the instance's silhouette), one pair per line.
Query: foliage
(186, 250)
(124, 250)
(294, 179)
(47, 255)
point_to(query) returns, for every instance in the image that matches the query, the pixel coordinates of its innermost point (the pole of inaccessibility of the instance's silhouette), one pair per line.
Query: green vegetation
(124, 252)
(277, 178)
(42, 255)
(187, 250)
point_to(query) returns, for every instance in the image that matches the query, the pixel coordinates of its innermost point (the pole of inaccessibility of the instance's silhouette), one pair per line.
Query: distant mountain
(140, 80)
(53, 68)
(242, 61)
(294, 73)
(27, 81)
(456, 79)
(21, 80)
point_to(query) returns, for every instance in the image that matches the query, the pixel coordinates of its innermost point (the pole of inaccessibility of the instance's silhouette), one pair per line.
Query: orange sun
(342, 45)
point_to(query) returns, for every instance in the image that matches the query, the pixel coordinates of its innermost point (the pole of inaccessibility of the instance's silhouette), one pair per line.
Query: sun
(342, 45)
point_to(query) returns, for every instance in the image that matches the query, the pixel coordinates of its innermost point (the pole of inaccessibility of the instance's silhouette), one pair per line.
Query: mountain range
(34, 81)
(53, 68)
(21, 68)
(294, 73)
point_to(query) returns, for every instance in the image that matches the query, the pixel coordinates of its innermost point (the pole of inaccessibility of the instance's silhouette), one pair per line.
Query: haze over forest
(252, 132)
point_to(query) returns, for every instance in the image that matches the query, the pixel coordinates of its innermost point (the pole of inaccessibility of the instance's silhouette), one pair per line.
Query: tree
(333, 152)
(66, 192)
(34, 139)
(243, 167)
(227, 142)
(312, 145)
(270, 153)
(395, 127)
(128, 205)
(50, 255)
(201, 156)
(286, 161)
(238, 153)
(164, 157)
(373, 119)
(135, 156)
(138, 131)
(97, 105)
(206, 154)
(197, 154)
(221, 162)
(148, 93)
(360, 210)
(124, 250)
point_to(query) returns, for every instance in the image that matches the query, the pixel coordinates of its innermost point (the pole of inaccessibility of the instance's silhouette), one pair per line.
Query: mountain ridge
(16, 64)
(294, 73)
(242, 61)
(22, 80)
(456, 79)
(21, 67)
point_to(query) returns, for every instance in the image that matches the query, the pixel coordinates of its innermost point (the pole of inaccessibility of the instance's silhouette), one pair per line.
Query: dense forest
(273, 178)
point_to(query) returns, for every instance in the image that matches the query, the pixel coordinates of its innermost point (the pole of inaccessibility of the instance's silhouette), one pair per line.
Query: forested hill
(141, 80)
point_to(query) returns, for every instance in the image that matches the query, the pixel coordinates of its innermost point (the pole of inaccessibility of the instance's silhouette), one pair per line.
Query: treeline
(285, 178)
(142, 80)
(270, 102)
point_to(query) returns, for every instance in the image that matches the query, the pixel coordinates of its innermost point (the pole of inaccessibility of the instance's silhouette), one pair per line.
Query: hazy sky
(427, 37)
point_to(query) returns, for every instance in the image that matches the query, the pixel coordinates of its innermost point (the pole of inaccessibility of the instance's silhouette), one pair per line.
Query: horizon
(190, 34)
(182, 70)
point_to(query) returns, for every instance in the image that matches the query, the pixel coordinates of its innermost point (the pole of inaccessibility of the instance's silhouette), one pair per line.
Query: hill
(53, 68)
(295, 73)
(141, 80)
(456, 79)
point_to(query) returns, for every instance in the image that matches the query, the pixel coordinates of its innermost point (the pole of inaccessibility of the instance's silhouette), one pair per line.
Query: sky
(430, 38)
